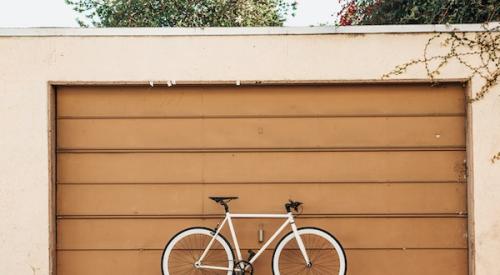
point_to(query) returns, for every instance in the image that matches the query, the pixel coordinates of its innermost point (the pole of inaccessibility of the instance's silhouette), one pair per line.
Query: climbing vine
(479, 53)
(495, 157)
(459, 47)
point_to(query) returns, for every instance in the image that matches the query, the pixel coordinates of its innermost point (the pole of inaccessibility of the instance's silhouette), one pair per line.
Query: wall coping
(254, 31)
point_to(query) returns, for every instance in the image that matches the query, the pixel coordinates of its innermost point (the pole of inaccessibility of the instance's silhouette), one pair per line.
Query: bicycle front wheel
(325, 253)
(185, 249)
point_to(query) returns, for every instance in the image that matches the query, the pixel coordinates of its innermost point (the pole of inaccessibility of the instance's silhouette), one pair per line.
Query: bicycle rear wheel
(325, 253)
(185, 249)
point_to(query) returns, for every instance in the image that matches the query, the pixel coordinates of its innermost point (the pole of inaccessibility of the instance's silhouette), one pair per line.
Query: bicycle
(201, 250)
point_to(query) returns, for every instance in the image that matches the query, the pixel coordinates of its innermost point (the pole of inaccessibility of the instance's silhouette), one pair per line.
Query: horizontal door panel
(408, 166)
(106, 233)
(365, 132)
(192, 199)
(297, 100)
(359, 262)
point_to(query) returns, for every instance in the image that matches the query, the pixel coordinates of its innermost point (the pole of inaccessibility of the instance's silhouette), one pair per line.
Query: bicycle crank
(243, 268)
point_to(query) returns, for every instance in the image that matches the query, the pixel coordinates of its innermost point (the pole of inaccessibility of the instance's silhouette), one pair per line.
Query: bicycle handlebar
(292, 205)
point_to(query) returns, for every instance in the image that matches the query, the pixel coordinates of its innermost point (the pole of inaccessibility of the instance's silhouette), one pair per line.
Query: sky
(55, 13)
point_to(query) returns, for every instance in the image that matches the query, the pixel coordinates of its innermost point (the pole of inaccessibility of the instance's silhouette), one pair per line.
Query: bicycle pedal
(251, 254)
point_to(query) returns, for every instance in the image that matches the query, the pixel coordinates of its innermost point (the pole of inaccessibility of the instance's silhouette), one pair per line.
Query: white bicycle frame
(228, 219)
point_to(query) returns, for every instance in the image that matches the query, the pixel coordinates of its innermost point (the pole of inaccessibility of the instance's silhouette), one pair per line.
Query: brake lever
(297, 205)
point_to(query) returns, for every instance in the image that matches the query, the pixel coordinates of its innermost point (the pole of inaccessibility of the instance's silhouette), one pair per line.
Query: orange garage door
(379, 166)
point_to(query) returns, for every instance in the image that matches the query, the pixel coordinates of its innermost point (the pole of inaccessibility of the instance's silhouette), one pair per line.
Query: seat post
(226, 207)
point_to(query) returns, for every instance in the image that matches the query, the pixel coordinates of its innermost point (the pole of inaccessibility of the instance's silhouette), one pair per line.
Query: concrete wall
(29, 62)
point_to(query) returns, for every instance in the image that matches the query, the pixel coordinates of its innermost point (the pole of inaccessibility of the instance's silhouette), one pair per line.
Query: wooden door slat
(298, 100)
(261, 167)
(192, 199)
(370, 132)
(351, 232)
(360, 262)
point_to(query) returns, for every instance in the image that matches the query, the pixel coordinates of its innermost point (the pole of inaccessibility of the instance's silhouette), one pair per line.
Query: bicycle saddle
(220, 199)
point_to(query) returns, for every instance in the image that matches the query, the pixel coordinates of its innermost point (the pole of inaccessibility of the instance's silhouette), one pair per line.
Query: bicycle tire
(193, 247)
(287, 258)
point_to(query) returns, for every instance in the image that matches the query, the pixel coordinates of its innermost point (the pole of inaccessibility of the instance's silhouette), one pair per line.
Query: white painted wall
(28, 63)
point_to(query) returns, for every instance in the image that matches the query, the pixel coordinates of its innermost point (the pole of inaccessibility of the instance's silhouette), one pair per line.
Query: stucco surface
(27, 64)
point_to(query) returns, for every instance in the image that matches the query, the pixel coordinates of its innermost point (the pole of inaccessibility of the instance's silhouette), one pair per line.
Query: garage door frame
(52, 145)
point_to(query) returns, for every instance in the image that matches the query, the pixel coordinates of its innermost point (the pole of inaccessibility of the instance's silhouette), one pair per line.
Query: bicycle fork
(300, 243)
